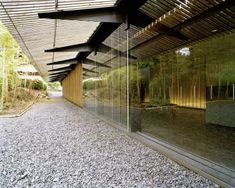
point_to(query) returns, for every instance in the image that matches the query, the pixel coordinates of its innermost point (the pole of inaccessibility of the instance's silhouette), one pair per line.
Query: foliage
(184, 73)
(92, 84)
(55, 86)
(11, 57)
(34, 84)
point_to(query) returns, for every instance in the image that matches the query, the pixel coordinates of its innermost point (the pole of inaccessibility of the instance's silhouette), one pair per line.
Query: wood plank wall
(72, 86)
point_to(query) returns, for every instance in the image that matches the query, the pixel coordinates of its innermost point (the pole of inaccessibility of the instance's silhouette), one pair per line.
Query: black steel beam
(57, 78)
(164, 30)
(111, 15)
(59, 73)
(124, 11)
(139, 19)
(66, 61)
(60, 69)
(107, 14)
(201, 16)
(83, 47)
(105, 29)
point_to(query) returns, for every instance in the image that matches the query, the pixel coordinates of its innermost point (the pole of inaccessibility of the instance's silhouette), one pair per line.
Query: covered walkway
(57, 144)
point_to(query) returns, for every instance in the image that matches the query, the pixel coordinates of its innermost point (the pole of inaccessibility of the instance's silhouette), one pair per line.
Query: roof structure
(64, 26)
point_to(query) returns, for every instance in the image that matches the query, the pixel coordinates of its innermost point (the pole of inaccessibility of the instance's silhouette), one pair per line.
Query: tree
(8, 53)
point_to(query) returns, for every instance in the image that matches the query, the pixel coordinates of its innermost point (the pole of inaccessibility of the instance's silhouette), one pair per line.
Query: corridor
(57, 144)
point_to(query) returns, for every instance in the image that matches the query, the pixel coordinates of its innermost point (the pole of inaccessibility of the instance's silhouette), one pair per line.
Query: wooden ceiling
(175, 23)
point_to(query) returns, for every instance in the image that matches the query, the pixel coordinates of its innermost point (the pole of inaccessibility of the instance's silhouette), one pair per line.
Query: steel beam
(66, 61)
(53, 78)
(60, 69)
(107, 14)
(75, 61)
(208, 13)
(121, 13)
(60, 73)
(162, 29)
(104, 30)
(83, 47)
(57, 78)
(201, 16)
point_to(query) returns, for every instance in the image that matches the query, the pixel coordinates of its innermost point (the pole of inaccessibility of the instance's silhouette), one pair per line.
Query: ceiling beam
(107, 14)
(60, 73)
(66, 61)
(104, 30)
(163, 29)
(60, 69)
(85, 47)
(124, 11)
(59, 77)
(193, 20)
(76, 61)
(110, 15)
(208, 13)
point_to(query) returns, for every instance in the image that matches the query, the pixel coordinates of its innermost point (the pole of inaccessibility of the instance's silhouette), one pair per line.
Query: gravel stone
(56, 144)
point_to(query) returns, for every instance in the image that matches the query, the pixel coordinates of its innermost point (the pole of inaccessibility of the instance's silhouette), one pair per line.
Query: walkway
(57, 144)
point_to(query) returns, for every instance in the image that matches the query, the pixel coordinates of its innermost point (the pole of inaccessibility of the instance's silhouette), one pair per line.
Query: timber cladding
(72, 86)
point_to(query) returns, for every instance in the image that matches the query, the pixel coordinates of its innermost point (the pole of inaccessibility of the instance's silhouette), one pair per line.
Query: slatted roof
(174, 23)
(34, 35)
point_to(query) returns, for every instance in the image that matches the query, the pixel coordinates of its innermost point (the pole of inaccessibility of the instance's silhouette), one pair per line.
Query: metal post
(233, 91)
(127, 84)
(211, 92)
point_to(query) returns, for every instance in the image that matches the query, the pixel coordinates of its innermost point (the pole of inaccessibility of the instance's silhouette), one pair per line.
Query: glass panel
(105, 93)
(186, 97)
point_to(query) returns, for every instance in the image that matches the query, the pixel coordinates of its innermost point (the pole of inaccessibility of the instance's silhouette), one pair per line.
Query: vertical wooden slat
(72, 86)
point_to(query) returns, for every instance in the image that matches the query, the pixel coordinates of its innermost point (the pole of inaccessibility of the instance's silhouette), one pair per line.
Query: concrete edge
(198, 165)
(23, 112)
(194, 163)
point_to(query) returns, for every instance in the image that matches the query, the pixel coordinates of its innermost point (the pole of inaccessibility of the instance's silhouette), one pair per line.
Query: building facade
(163, 71)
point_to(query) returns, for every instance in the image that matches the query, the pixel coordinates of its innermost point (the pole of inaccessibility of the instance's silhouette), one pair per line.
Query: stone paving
(57, 144)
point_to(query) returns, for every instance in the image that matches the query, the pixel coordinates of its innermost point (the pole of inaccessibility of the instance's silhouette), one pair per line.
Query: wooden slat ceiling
(147, 42)
(35, 35)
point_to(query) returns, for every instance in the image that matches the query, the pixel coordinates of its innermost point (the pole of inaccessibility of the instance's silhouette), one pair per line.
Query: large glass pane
(185, 97)
(105, 93)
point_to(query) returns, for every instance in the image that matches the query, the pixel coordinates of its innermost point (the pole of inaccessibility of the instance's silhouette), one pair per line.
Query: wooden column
(72, 86)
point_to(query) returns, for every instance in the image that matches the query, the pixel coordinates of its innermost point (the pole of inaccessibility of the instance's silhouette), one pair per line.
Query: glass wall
(105, 93)
(185, 97)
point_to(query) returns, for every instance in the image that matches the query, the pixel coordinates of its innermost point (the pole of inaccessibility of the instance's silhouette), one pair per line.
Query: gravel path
(57, 144)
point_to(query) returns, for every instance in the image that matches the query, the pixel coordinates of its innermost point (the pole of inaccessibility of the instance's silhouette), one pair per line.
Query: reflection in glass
(186, 98)
(105, 94)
